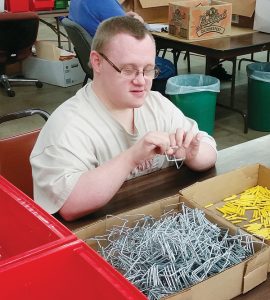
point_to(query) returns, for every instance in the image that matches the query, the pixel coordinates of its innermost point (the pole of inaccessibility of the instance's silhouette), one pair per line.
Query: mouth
(138, 92)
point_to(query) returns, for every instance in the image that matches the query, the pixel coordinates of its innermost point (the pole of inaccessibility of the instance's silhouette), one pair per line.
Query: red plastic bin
(41, 4)
(25, 228)
(17, 5)
(73, 271)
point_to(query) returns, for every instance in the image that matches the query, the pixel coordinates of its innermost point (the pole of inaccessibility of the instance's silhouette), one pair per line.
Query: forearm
(96, 187)
(205, 159)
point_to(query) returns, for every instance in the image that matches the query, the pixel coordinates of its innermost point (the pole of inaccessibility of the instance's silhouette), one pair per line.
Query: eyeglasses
(131, 73)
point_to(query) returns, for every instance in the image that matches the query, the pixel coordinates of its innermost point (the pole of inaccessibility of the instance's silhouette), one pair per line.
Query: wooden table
(242, 41)
(167, 182)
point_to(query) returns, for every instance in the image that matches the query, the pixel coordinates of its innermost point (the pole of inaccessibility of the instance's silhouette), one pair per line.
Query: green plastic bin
(259, 96)
(60, 4)
(195, 95)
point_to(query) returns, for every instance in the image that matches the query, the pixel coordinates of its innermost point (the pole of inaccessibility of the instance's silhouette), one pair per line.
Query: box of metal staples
(72, 271)
(25, 228)
(200, 19)
(241, 197)
(170, 248)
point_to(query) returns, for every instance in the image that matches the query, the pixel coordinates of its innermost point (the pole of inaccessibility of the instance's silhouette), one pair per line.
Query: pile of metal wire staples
(162, 257)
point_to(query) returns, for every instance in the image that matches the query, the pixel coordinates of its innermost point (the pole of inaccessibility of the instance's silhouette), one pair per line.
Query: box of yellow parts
(241, 197)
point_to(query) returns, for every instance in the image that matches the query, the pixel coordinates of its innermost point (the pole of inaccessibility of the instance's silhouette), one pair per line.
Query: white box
(261, 19)
(61, 73)
(2, 5)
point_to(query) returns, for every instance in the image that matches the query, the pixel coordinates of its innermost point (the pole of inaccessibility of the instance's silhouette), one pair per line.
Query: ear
(95, 60)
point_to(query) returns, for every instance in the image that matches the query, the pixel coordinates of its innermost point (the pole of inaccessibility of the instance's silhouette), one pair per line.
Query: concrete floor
(228, 125)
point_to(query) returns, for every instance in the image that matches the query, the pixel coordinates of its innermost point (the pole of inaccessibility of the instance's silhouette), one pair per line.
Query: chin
(138, 101)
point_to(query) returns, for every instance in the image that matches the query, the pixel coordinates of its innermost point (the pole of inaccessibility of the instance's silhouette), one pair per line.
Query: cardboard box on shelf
(61, 73)
(243, 15)
(261, 19)
(215, 189)
(200, 19)
(235, 280)
(152, 11)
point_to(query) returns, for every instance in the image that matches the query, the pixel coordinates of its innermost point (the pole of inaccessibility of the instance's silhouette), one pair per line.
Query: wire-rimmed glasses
(130, 72)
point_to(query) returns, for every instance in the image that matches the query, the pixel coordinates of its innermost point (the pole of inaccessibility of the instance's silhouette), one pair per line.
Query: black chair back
(81, 41)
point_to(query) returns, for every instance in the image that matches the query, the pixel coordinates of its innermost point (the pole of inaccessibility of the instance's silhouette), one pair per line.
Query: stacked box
(196, 19)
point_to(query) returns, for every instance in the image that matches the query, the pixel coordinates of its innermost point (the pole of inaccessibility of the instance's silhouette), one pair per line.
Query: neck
(124, 116)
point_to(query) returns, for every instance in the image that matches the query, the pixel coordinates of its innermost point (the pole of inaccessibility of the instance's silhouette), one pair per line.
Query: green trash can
(259, 96)
(195, 95)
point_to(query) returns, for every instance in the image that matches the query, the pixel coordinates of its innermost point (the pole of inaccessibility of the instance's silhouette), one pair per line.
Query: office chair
(15, 152)
(81, 41)
(18, 32)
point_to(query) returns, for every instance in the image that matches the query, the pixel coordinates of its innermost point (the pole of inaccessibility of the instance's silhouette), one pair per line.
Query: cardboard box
(215, 189)
(47, 50)
(25, 228)
(233, 281)
(243, 15)
(152, 11)
(196, 19)
(73, 271)
(261, 19)
(61, 73)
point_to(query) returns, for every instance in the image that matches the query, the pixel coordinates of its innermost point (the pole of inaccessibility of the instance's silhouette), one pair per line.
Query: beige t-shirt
(81, 135)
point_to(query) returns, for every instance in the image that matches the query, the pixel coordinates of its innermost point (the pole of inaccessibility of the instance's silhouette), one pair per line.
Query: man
(114, 128)
(90, 13)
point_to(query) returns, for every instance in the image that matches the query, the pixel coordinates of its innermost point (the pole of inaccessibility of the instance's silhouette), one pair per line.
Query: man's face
(124, 51)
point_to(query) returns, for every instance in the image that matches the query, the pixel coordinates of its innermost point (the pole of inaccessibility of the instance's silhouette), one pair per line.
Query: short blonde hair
(115, 25)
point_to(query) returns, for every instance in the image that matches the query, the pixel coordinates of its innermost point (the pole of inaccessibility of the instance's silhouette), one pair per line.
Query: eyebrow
(136, 67)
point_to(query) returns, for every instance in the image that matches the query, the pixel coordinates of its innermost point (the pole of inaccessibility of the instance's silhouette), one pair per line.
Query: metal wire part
(164, 256)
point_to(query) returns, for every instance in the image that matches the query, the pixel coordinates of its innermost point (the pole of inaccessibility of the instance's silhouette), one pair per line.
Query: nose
(139, 79)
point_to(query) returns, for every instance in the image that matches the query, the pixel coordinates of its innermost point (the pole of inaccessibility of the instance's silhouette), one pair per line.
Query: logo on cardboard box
(178, 17)
(209, 22)
(177, 23)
